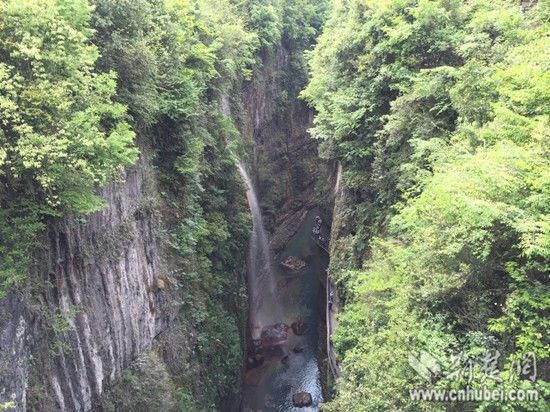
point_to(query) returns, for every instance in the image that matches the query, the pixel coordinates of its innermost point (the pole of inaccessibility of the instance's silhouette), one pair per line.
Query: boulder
(299, 327)
(254, 361)
(293, 263)
(274, 334)
(298, 349)
(301, 399)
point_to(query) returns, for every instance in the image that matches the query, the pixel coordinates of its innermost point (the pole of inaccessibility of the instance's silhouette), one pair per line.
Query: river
(270, 386)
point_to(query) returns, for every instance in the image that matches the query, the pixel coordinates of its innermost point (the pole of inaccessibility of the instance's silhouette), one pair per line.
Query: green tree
(61, 134)
(438, 112)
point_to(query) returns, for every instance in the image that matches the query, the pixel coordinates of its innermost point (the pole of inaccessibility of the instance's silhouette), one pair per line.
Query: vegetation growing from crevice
(438, 111)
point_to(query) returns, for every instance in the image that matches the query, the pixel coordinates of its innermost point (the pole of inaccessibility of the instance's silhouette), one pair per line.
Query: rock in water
(274, 334)
(293, 263)
(299, 327)
(254, 361)
(298, 349)
(301, 399)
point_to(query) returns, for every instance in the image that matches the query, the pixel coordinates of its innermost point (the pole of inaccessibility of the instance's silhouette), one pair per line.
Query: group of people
(316, 231)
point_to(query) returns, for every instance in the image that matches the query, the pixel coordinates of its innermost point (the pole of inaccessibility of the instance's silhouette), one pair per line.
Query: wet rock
(274, 334)
(298, 349)
(299, 327)
(301, 399)
(293, 263)
(254, 361)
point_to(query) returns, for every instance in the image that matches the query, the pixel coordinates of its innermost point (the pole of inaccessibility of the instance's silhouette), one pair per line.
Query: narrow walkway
(321, 235)
(332, 324)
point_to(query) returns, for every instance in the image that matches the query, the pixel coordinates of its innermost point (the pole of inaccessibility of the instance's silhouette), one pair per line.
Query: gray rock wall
(281, 141)
(93, 303)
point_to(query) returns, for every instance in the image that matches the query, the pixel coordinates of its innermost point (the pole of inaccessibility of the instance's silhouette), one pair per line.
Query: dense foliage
(60, 132)
(176, 62)
(439, 113)
(438, 110)
(83, 87)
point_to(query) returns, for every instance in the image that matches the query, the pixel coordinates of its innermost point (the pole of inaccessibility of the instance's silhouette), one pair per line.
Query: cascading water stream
(261, 283)
(338, 178)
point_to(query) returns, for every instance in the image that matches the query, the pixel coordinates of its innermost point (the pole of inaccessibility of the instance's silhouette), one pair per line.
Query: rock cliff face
(94, 303)
(285, 156)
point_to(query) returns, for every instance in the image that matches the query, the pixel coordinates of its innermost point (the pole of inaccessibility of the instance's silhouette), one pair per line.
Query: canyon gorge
(274, 205)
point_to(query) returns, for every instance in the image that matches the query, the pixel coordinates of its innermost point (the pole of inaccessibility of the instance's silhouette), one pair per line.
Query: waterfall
(261, 283)
(260, 256)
